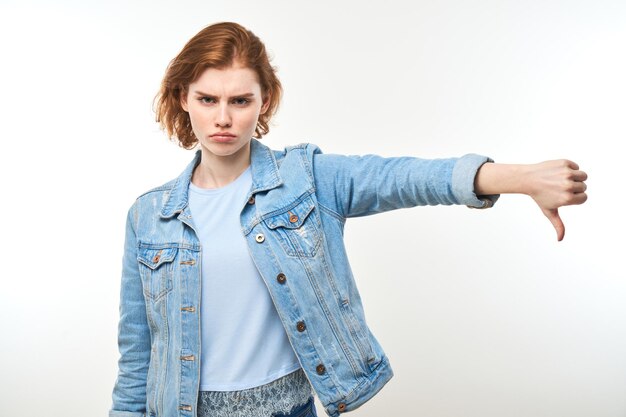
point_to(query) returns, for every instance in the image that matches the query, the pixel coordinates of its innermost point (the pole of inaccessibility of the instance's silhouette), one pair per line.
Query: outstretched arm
(551, 184)
(353, 185)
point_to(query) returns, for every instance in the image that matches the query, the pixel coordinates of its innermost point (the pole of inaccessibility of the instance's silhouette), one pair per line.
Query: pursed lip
(224, 134)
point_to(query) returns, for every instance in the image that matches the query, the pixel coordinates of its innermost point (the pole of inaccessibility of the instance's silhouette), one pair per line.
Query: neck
(217, 171)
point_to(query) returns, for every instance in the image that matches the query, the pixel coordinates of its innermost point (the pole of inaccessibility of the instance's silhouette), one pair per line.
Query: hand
(553, 184)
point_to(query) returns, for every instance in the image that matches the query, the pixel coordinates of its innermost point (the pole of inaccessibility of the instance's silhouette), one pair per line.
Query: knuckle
(563, 200)
(566, 184)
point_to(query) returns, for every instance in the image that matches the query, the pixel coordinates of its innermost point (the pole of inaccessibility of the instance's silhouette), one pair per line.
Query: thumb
(555, 219)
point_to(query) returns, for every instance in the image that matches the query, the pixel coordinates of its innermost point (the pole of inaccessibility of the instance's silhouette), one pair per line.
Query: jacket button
(259, 238)
(341, 407)
(188, 358)
(251, 200)
(320, 369)
(300, 326)
(281, 278)
(293, 218)
(184, 407)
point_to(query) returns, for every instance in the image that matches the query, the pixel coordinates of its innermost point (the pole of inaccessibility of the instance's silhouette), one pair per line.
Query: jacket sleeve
(362, 185)
(129, 392)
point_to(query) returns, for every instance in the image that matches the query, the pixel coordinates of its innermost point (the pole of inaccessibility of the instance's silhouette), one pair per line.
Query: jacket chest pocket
(297, 228)
(156, 269)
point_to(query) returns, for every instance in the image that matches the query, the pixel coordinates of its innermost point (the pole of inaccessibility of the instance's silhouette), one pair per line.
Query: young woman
(237, 298)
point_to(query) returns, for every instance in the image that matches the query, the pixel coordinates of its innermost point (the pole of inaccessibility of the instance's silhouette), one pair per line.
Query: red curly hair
(217, 46)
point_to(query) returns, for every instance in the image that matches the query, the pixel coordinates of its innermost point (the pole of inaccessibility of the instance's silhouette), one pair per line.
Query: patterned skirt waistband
(278, 396)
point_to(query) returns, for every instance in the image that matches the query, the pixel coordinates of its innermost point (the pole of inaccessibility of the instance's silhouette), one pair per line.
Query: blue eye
(242, 100)
(237, 101)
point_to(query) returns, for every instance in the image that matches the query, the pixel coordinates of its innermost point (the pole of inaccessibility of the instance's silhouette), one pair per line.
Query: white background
(482, 313)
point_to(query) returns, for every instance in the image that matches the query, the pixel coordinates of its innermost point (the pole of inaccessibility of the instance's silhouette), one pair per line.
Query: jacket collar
(265, 176)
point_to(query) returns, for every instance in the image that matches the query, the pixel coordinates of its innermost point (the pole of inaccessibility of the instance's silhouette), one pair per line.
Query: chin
(224, 149)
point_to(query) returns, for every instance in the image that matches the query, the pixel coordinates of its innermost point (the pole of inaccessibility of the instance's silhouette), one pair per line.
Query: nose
(223, 116)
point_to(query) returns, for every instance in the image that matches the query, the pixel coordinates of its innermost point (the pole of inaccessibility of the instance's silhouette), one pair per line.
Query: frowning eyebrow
(212, 96)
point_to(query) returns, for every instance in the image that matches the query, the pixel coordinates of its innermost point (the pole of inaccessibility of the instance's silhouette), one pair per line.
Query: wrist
(524, 179)
(494, 178)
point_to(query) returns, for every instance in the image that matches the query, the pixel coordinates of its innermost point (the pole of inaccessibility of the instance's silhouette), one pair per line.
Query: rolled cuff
(463, 175)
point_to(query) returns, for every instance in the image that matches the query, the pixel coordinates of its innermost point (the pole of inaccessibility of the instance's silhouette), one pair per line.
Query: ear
(266, 104)
(183, 101)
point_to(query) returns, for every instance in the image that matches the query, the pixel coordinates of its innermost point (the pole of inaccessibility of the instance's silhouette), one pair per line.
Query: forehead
(227, 80)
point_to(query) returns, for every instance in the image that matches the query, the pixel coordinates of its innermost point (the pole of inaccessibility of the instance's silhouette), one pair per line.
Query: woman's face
(224, 101)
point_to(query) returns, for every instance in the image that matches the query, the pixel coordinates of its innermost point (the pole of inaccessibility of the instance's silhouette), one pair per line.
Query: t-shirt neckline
(219, 190)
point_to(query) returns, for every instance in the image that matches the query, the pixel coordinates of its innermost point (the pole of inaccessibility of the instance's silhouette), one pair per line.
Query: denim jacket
(293, 222)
